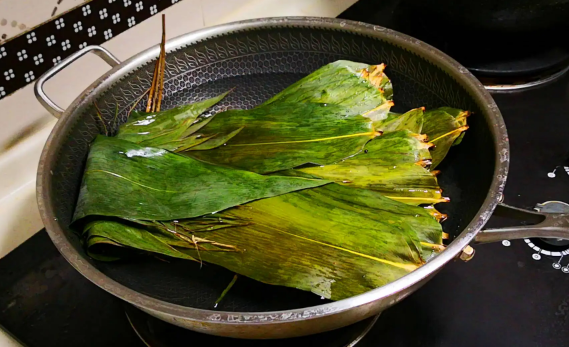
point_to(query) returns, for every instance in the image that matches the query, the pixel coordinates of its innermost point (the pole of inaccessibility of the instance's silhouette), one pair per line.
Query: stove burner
(506, 48)
(551, 247)
(502, 63)
(499, 85)
(156, 333)
(556, 242)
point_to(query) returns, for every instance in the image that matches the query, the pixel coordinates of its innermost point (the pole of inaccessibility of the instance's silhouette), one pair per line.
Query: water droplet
(55, 219)
(322, 298)
(366, 151)
(144, 122)
(215, 306)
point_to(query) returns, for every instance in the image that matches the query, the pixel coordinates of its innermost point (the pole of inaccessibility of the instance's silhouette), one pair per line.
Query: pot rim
(395, 289)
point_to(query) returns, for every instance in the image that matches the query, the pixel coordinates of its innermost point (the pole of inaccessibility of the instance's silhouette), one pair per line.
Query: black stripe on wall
(28, 56)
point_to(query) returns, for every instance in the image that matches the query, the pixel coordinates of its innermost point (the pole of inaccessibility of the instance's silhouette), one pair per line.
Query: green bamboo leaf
(443, 130)
(187, 227)
(394, 148)
(411, 120)
(165, 127)
(334, 241)
(166, 238)
(423, 220)
(200, 123)
(391, 116)
(443, 126)
(93, 249)
(191, 142)
(408, 183)
(360, 88)
(357, 86)
(392, 164)
(281, 136)
(126, 180)
(379, 113)
(132, 236)
(460, 117)
(217, 140)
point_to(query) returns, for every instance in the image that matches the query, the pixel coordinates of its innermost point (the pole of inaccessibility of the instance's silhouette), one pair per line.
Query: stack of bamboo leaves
(320, 188)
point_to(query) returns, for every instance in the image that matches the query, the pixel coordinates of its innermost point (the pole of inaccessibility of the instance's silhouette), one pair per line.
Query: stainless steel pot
(261, 57)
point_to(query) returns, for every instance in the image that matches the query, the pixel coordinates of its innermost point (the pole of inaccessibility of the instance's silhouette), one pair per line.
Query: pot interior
(259, 63)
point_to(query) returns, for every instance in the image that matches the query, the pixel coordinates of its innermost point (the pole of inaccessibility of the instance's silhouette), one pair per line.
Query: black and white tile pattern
(28, 56)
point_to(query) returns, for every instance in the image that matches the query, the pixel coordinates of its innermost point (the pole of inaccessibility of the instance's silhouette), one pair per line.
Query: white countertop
(25, 125)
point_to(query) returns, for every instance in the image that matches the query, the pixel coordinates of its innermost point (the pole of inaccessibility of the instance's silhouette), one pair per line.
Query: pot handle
(51, 106)
(543, 225)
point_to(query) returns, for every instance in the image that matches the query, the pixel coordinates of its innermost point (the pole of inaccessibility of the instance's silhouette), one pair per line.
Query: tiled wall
(27, 56)
(20, 16)
(39, 33)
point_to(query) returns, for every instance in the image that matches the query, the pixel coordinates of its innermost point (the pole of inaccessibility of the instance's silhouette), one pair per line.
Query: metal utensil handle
(51, 106)
(545, 225)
